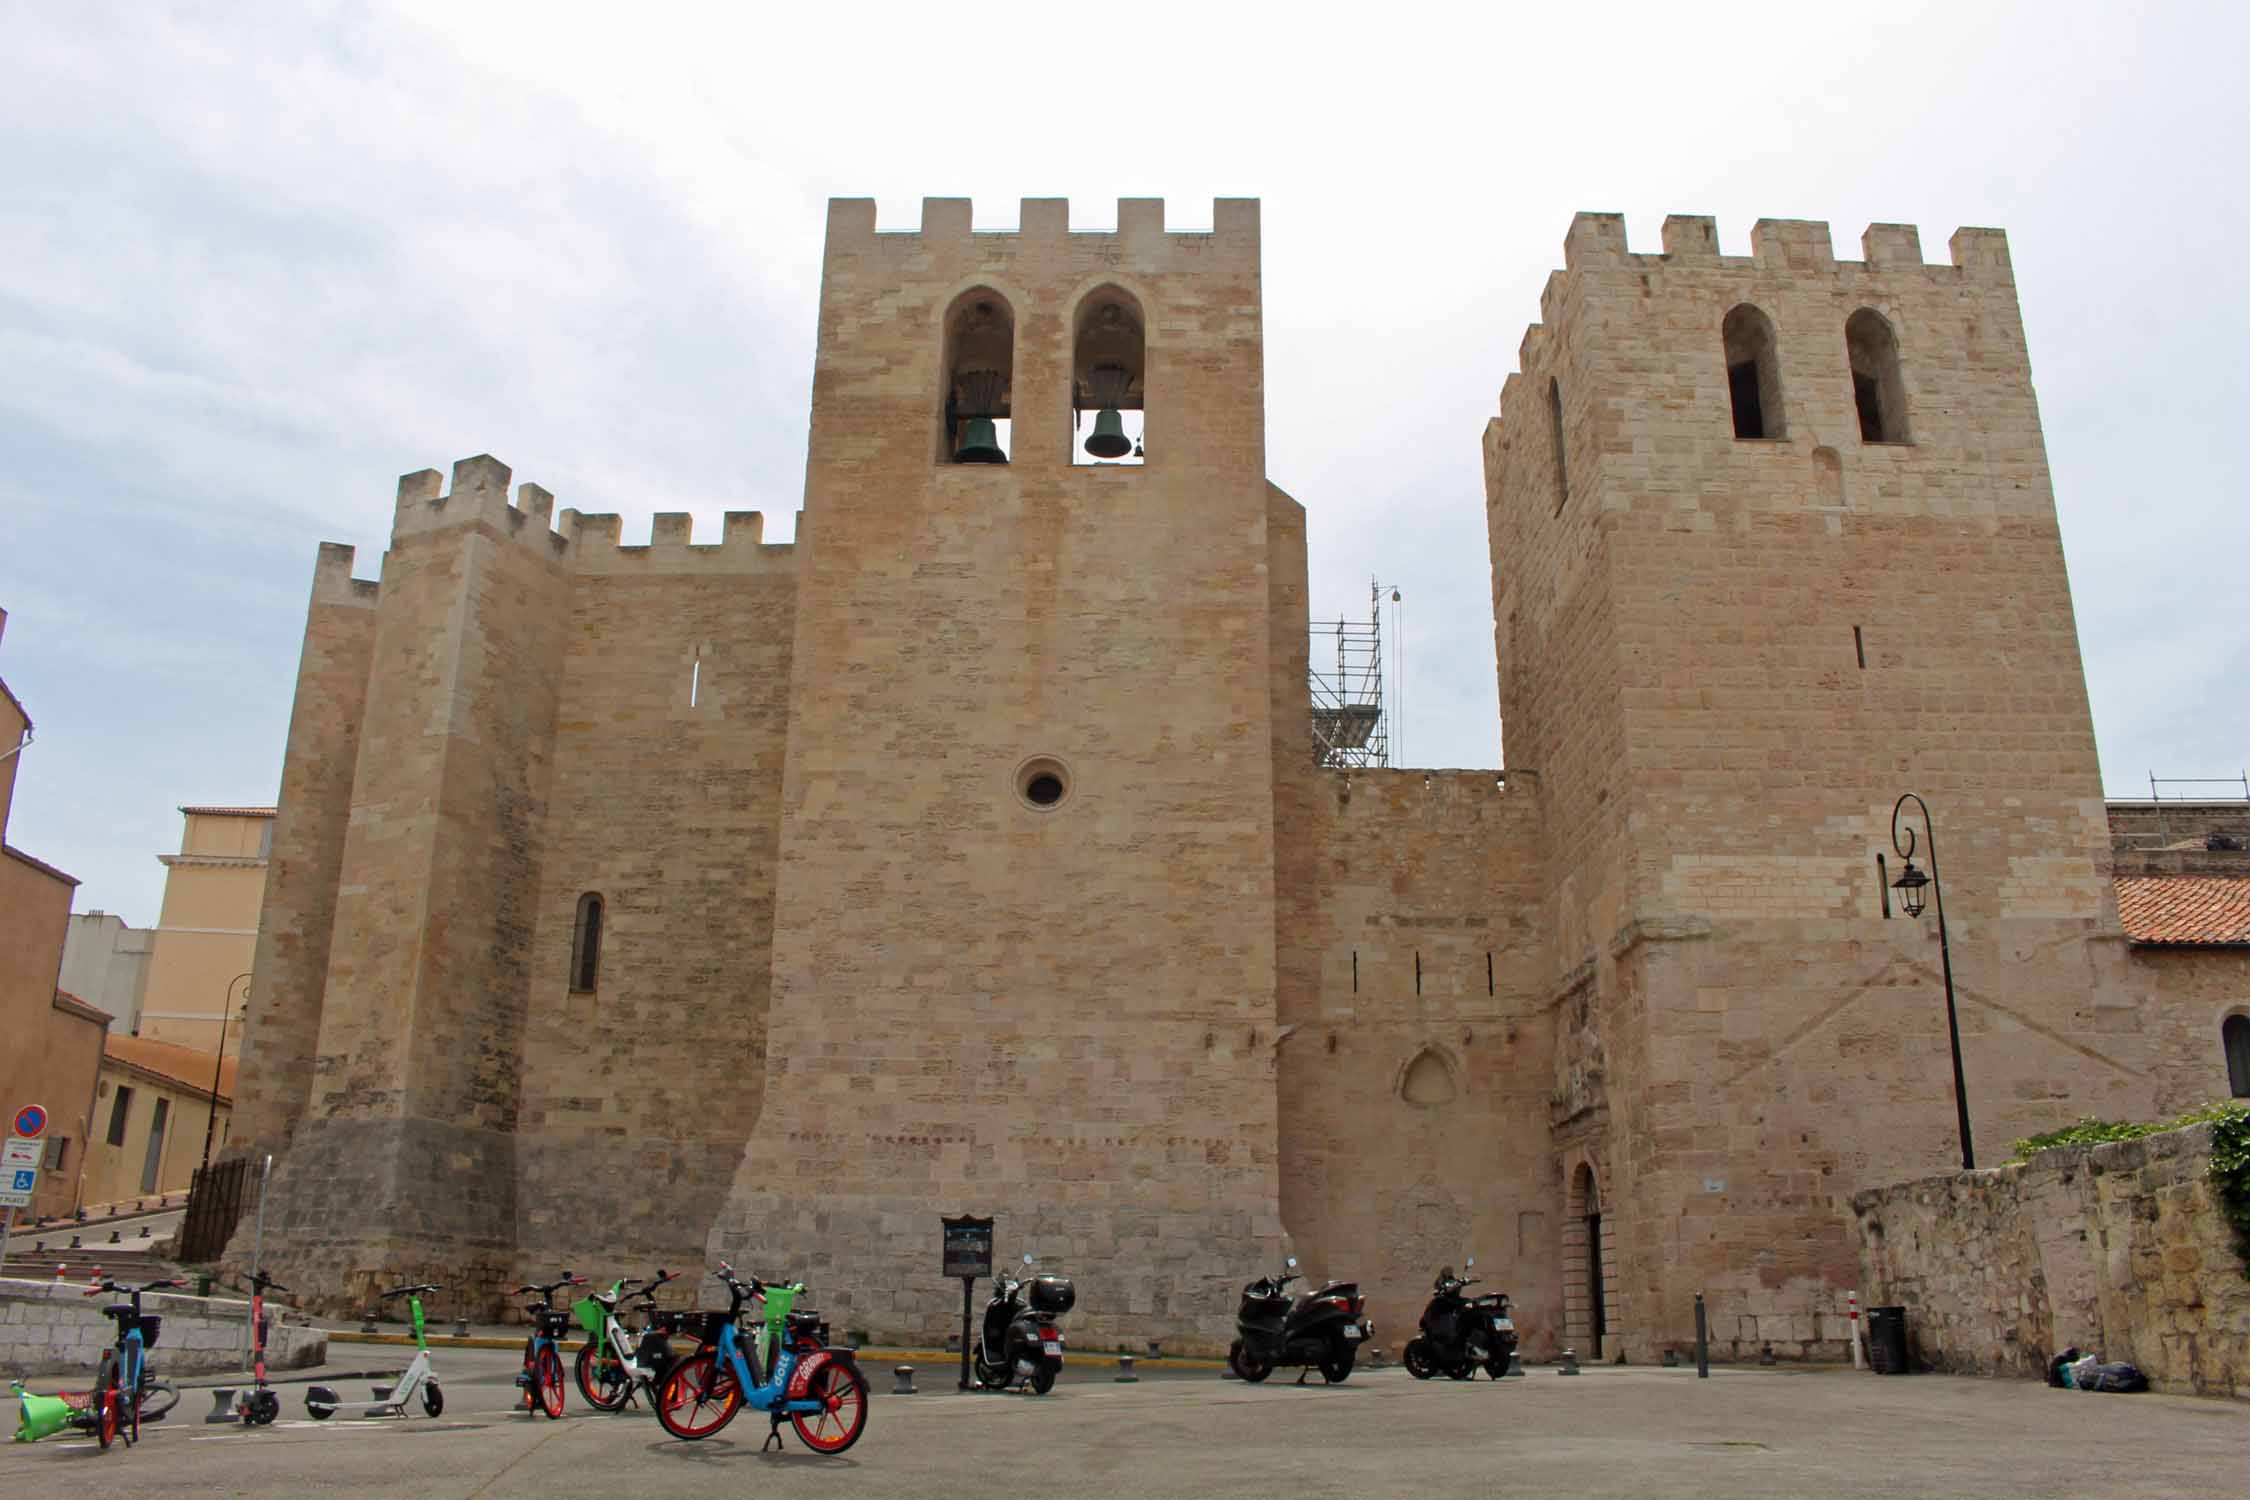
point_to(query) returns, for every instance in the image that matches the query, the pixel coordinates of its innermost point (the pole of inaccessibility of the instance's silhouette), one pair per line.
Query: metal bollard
(222, 1406)
(1671, 1358)
(1765, 1353)
(1155, 1349)
(461, 1328)
(367, 1321)
(905, 1376)
(1569, 1362)
(114, 1236)
(1515, 1366)
(144, 1231)
(1702, 1340)
(1125, 1373)
(1374, 1356)
(74, 1244)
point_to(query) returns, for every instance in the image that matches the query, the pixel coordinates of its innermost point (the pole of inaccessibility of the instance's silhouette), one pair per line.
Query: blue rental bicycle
(817, 1389)
(542, 1379)
(123, 1393)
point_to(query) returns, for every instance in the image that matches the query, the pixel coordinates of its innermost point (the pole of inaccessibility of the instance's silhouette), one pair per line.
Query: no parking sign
(31, 1121)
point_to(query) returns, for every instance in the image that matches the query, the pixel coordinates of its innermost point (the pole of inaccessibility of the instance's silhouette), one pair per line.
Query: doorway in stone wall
(1585, 1289)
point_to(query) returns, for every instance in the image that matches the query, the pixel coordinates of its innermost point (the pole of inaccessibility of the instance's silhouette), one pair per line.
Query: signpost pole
(967, 1282)
(7, 1227)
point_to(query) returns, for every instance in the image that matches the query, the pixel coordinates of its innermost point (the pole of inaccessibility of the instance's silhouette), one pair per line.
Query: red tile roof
(230, 812)
(184, 1066)
(2188, 910)
(71, 1005)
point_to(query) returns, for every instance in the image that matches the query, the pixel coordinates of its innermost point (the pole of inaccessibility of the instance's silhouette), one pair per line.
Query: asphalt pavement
(1608, 1432)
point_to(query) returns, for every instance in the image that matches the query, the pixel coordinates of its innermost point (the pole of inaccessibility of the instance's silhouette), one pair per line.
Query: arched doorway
(1587, 1314)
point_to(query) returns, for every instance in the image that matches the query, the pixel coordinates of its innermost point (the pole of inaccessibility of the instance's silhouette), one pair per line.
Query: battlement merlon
(333, 583)
(1596, 241)
(583, 543)
(1041, 222)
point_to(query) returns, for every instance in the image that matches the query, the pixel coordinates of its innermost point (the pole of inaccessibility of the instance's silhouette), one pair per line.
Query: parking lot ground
(1609, 1432)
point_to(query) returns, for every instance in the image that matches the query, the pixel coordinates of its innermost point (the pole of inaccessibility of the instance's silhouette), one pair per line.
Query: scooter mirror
(1027, 1260)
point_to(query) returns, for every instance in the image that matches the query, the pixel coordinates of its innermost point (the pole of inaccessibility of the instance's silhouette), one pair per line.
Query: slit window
(120, 1107)
(1753, 373)
(586, 944)
(1562, 465)
(2235, 1037)
(1878, 386)
(1109, 377)
(974, 424)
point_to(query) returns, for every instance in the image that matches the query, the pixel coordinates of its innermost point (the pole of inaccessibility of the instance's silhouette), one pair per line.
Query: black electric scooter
(1460, 1333)
(1020, 1341)
(1322, 1330)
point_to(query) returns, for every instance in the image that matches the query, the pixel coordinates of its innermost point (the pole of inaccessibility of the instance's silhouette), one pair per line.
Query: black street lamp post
(1910, 885)
(211, 1120)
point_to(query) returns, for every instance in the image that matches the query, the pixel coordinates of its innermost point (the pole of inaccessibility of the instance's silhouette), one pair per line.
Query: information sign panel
(17, 1185)
(968, 1246)
(21, 1153)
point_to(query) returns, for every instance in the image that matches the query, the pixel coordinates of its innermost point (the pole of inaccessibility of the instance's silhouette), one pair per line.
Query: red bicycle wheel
(547, 1382)
(698, 1398)
(602, 1379)
(842, 1392)
(104, 1398)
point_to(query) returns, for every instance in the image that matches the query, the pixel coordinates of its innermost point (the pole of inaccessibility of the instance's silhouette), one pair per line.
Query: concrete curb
(931, 1358)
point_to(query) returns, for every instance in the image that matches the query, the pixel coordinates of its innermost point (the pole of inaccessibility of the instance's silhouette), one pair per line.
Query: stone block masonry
(2118, 1249)
(54, 1328)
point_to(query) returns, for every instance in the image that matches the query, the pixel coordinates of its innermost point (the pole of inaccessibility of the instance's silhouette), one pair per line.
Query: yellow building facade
(199, 963)
(151, 1109)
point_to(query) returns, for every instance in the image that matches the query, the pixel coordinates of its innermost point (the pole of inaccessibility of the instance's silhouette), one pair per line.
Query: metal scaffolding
(1349, 725)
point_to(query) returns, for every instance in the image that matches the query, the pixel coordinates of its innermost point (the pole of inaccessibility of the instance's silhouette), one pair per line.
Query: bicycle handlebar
(100, 1287)
(261, 1282)
(408, 1291)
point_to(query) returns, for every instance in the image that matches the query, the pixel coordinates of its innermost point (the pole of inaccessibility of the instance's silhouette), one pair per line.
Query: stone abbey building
(636, 904)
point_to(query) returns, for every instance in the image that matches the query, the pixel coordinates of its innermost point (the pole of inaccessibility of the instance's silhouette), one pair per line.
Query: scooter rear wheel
(602, 1379)
(1416, 1356)
(1336, 1366)
(261, 1409)
(1248, 1363)
(1043, 1376)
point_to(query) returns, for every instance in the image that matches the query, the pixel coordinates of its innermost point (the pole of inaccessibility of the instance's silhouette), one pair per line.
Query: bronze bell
(1109, 383)
(980, 396)
(1109, 440)
(980, 443)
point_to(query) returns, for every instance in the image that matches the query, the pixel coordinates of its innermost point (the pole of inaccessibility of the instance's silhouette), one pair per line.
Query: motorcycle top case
(1052, 1295)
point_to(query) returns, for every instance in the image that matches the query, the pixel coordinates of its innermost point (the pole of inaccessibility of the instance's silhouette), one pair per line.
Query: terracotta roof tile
(2197, 910)
(185, 1066)
(230, 812)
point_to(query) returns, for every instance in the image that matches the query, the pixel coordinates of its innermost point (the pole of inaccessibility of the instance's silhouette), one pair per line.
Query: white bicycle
(418, 1379)
(613, 1362)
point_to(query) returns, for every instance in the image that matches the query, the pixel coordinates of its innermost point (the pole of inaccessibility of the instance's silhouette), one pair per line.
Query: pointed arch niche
(1109, 379)
(1753, 373)
(1878, 383)
(1428, 1079)
(975, 410)
(1590, 1303)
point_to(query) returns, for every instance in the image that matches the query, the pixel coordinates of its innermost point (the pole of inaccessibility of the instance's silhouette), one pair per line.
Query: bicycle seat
(118, 1310)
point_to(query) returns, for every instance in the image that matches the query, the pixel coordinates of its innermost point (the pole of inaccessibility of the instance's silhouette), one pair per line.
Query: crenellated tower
(1773, 542)
(1024, 955)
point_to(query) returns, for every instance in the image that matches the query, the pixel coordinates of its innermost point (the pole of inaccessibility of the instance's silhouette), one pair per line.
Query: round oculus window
(1042, 783)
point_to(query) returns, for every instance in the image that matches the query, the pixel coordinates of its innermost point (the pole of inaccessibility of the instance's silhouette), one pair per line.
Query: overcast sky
(255, 262)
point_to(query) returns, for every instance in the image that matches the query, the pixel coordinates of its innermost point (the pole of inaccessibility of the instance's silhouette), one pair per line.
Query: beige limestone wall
(2118, 1249)
(120, 1172)
(1063, 1018)
(670, 727)
(296, 922)
(2188, 994)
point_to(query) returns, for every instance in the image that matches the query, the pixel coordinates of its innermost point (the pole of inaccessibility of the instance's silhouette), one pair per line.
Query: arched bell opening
(1753, 373)
(1108, 384)
(975, 423)
(1878, 383)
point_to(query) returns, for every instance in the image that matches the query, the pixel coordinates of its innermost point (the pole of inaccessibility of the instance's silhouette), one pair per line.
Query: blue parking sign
(27, 1178)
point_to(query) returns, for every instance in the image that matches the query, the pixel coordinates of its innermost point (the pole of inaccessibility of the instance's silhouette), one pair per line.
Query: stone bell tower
(1023, 959)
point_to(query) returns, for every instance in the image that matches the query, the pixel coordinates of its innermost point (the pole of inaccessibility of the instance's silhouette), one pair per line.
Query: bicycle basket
(151, 1325)
(589, 1314)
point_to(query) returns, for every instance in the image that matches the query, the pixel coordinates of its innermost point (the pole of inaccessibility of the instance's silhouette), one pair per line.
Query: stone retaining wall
(2118, 1249)
(53, 1328)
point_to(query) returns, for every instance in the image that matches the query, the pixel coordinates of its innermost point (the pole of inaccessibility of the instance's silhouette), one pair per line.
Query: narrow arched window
(1753, 373)
(980, 366)
(1108, 379)
(1878, 389)
(1562, 465)
(586, 944)
(2235, 1037)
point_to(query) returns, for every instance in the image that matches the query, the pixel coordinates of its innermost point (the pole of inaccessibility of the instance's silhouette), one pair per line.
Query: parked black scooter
(1322, 1330)
(1459, 1333)
(1020, 1340)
